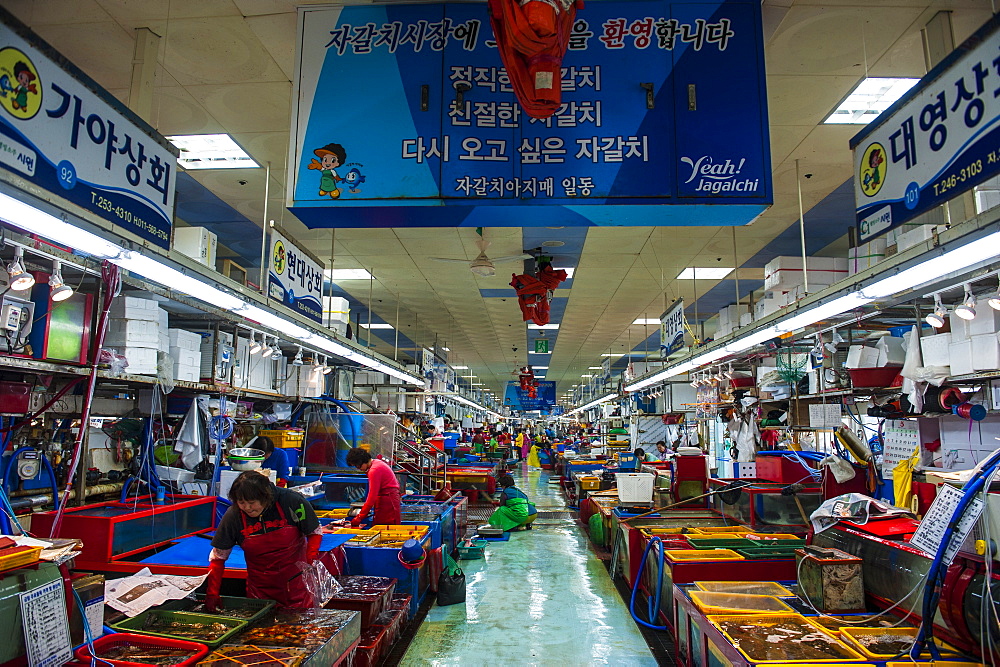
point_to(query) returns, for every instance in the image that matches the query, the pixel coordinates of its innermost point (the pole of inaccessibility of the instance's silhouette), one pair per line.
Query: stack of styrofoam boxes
(185, 349)
(729, 319)
(134, 331)
(768, 304)
(985, 344)
(784, 274)
(252, 371)
(865, 256)
(337, 312)
(197, 243)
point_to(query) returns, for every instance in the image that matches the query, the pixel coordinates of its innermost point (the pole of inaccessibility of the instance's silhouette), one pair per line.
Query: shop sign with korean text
(939, 140)
(63, 133)
(295, 277)
(672, 329)
(409, 106)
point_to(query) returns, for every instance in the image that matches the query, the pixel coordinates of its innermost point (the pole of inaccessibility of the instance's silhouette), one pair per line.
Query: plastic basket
(747, 587)
(689, 555)
(636, 487)
(284, 438)
(738, 603)
(719, 542)
(761, 626)
(26, 557)
(139, 642)
(860, 640)
(251, 609)
(873, 377)
(475, 551)
(137, 625)
(714, 530)
(764, 553)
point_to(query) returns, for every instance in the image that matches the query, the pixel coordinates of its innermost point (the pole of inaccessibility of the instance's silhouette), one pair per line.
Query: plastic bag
(451, 584)
(322, 585)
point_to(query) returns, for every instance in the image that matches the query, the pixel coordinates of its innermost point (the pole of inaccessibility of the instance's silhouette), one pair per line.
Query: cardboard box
(134, 308)
(197, 243)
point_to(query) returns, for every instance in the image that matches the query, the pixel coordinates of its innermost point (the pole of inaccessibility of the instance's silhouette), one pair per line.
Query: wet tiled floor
(542, 598)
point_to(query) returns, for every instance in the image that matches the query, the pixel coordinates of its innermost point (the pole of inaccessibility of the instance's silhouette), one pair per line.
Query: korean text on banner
(63, 133)
(672, 329)
(295, 277)
(518, 399)
(939, 140)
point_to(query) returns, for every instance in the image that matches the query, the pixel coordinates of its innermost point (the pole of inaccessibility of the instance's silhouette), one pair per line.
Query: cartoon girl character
(330, 157)
(25, 85)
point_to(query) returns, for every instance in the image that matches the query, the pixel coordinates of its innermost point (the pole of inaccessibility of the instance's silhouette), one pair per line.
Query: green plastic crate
(477, 550)
(258, 607)
(719, 542)
(137, 623)
(759, 553)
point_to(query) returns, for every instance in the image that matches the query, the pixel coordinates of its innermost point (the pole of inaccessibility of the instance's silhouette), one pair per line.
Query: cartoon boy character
(873, 178)
(24, 80)
(330, 157)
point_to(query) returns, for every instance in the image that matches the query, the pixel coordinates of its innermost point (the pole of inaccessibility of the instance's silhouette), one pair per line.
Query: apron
(387, 508)
(272, 573)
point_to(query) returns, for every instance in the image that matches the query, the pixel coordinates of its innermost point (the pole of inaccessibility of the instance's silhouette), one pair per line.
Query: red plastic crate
(102, 644)
(781, 469)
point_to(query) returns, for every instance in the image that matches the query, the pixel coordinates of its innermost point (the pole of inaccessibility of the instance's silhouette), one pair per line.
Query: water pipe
(653, 603)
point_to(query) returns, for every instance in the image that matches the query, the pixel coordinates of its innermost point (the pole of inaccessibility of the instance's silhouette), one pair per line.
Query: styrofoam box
(862, 356)
(891, 351)
(960, 353)
(187, 340)
(174, 474)
(141, 360)
(765, 307)
(985, 352)
(959, 328)
(746, 319)
(186, 357)
(187, 373)
(136, 333)
(987, 321)
(164, 319)
(912, 235)
(134, 308)
(935, 349)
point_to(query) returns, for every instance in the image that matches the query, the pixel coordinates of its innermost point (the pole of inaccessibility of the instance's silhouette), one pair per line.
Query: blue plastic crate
(381, 562)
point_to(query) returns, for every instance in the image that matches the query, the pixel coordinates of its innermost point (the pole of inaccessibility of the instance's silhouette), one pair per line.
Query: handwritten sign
(46, 630)
(930, 532)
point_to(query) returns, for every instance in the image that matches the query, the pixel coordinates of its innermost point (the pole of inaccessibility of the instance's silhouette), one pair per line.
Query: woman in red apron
(383, 489)
(277, 530)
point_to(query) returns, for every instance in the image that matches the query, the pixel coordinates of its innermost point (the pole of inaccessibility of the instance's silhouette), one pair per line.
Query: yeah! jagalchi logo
(873, 168)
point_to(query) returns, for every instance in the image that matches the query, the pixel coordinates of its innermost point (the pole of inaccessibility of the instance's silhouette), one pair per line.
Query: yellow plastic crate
(759, 625)
(20, 559)
(691, 555)
(857, 637)
(711, 602)
(284, 437)
(746, 587)
(590, 483)
(333, 514)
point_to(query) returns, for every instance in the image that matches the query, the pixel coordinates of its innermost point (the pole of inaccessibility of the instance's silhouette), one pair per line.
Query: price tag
(930, 532)
(46, 631)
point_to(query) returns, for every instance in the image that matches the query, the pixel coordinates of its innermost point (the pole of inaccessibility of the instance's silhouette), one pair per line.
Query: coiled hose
(653, 603)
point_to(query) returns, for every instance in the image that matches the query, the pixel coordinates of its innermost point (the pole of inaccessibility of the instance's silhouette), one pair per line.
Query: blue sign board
(409, 106)
(63, 133)
(940, 139)
(516, 398)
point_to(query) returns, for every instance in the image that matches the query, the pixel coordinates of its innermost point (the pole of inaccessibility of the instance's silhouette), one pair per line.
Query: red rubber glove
(216, 568)
(312, 547)
(356, 521)
(283, 483)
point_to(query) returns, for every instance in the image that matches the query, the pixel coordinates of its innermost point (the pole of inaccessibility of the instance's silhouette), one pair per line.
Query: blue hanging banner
(405, 116)
(63, 133)
(516, 398)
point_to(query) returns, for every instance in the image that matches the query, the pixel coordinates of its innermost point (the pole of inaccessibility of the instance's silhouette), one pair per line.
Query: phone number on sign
(126, 215)
(958, 177)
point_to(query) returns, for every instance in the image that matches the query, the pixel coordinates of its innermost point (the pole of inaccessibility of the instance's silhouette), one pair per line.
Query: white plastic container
(635, 487)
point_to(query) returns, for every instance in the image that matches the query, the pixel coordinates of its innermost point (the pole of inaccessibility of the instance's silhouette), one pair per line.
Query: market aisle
(541, 598)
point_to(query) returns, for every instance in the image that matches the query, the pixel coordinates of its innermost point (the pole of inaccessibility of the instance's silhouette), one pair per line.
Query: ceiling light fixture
(255, 346)
(211, 151)
(327, 369)
(276, 351)
(646, 320)
(265, 349)
(59, 290)
(870, 97)
(936, 318)
(967, 309)
(347, 274)
(377, 325)
(704, 273)
(994, 300)
(20, 279)
(570, 270)
(297, 361)
(541, 327)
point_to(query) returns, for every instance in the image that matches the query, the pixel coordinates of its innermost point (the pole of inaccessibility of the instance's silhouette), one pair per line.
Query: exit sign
(541, 346)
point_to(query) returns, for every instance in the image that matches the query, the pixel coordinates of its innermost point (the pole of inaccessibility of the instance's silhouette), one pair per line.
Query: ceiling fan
(483, 265)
